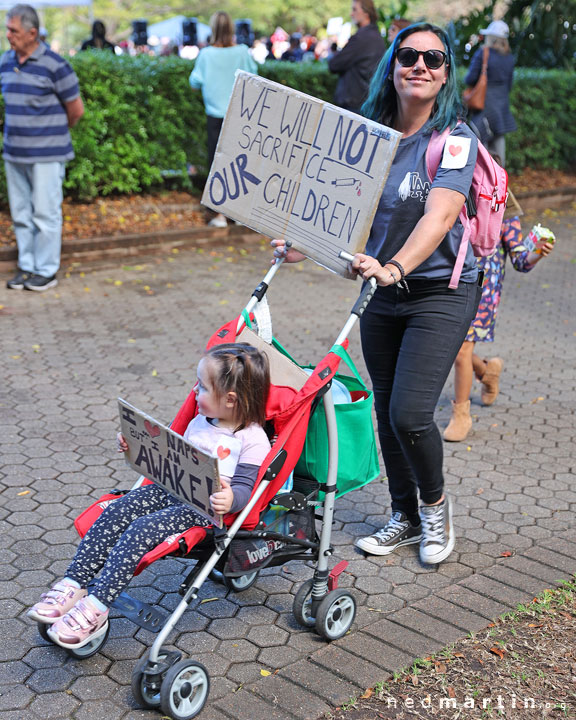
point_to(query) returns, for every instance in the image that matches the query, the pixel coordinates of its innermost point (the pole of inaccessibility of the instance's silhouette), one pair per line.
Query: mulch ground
(522, 667)
(134, 214)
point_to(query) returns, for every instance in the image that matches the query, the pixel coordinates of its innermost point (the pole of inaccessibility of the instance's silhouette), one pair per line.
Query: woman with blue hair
(415, 323)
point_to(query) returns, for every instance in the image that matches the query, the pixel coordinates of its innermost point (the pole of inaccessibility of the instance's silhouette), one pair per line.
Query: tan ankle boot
(460, 422)
(491, 380)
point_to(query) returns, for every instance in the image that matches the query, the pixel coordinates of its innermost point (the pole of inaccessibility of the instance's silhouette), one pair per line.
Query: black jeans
(213, 127)
(410, 341)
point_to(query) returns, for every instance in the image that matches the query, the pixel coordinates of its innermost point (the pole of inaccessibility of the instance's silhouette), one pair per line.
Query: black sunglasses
(434, 59)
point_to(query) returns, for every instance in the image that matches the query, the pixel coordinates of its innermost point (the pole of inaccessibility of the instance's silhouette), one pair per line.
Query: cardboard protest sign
(292, 166)
(165, 457)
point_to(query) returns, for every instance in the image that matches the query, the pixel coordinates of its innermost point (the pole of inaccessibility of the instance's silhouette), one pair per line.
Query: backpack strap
(434, 153)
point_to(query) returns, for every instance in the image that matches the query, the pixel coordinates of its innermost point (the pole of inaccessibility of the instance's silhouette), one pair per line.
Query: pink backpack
(483, 212)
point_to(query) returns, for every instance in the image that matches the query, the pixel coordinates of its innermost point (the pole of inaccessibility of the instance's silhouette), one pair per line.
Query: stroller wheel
(238, 584)
(91, 648)
(43, 632)
(146, 687)
(184, 690)
(302, 606)
(335, 614)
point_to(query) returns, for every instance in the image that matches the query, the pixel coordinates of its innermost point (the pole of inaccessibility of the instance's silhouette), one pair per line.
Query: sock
(98, 604)
(72, 582)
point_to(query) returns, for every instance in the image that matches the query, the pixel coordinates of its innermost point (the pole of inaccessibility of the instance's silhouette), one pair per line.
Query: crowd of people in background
(298, 46)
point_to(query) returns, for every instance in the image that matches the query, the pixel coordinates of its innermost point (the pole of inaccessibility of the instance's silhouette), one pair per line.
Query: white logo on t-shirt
(413, 187)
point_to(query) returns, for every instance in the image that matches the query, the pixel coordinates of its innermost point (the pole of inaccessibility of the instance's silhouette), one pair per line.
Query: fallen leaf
(24, 492)
(451, 692)
(154, 373)
(118, 283)
(506, 553)
(367, 694)
(414, 679)
(208, 600)
(498, 651)
(265, 673)
(440, 667)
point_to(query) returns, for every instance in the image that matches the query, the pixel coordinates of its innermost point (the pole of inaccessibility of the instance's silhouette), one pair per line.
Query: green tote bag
(357, 452)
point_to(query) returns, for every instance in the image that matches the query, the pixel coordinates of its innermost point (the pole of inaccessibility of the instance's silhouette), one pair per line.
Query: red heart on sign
(454, 150)
(152, 430)
(222, 452)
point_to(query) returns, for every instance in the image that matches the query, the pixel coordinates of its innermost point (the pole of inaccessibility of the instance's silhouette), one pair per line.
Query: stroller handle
(367, 291)
(260, 290)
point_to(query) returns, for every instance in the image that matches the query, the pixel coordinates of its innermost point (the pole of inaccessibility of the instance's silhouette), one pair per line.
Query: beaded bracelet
(402, 282)
(393, 275)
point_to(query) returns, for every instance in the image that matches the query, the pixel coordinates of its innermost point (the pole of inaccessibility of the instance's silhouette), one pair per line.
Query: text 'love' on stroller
(249, 541)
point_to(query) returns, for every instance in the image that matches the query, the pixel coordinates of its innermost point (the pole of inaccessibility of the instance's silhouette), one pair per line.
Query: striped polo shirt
(35, 122)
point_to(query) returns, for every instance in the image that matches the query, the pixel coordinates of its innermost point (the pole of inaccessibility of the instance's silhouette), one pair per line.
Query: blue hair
(382, 102)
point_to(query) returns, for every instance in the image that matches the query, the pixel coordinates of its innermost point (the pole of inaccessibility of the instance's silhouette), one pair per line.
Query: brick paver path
(137, 331)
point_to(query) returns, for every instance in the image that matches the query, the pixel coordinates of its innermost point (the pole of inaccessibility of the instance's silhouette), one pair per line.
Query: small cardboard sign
(165, 457)
(291, 166)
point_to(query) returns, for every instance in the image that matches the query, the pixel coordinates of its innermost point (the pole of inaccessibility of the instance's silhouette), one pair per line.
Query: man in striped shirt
(42, 101)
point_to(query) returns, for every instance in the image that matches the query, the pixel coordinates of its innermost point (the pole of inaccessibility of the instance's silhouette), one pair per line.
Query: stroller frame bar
(221, 545)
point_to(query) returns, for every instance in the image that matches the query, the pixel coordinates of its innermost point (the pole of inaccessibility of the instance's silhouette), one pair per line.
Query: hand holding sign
(121, 444)
(222, 500)
(283, 250)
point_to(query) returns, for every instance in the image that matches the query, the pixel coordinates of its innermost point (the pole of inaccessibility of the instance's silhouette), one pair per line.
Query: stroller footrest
(139, 612)
(335, 573)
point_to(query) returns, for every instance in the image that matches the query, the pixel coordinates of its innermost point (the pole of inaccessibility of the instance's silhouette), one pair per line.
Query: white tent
(171, 29)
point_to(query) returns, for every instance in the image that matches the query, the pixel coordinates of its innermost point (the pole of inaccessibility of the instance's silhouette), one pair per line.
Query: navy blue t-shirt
(403, 202)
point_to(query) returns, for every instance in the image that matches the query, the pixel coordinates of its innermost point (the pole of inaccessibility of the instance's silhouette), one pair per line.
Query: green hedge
(144, 124)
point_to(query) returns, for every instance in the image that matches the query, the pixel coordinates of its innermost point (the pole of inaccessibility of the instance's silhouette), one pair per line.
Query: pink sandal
(80, 626)
(56, 602)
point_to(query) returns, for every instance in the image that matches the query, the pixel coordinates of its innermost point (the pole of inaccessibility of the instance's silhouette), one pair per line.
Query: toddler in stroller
(249, 540)
(231, 392)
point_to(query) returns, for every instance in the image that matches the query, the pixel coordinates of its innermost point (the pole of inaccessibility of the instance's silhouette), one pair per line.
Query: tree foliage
(542, 32)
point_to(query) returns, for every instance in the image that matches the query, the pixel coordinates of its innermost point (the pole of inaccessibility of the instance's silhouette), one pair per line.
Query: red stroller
(248, 542)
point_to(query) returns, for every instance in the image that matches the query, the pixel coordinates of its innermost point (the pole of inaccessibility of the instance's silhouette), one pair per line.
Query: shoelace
(433, 527)
(394, 526)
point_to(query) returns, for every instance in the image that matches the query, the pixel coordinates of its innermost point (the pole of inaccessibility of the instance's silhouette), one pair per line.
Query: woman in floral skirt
(468, 364)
